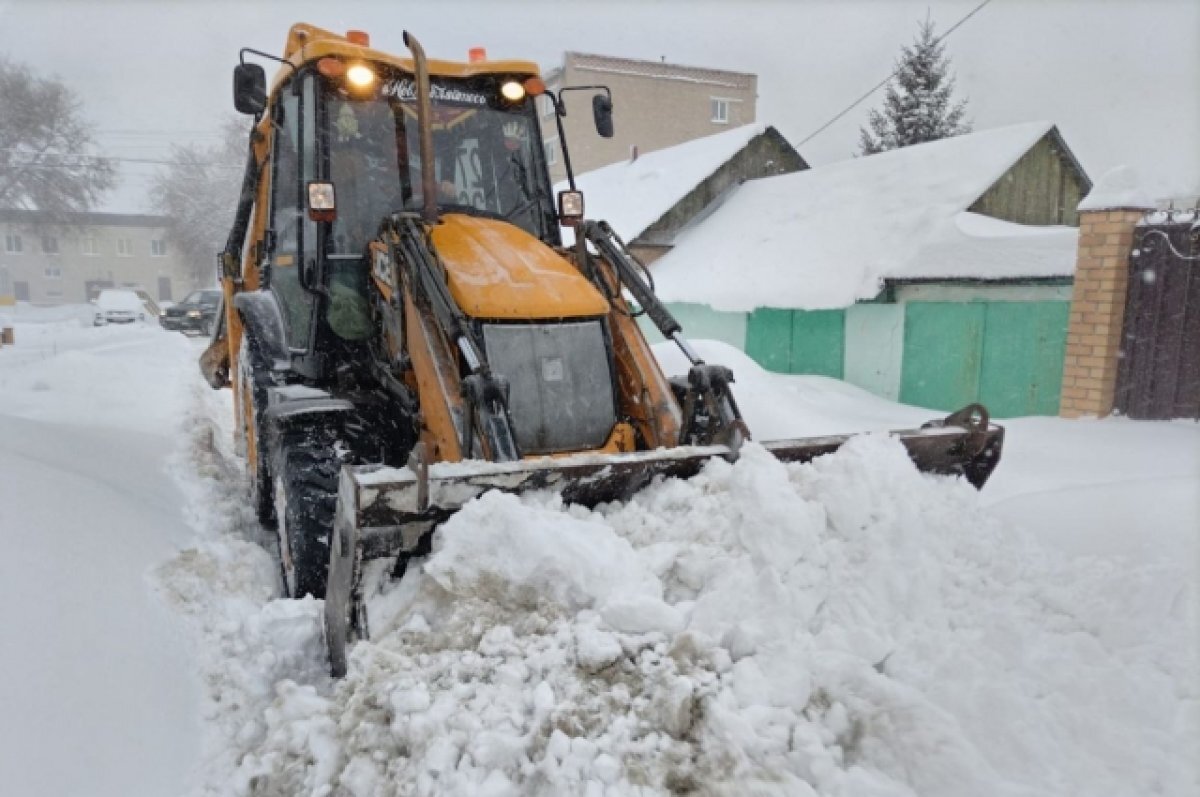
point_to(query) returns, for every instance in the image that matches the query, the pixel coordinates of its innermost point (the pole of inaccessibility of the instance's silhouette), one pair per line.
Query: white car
(116, 306)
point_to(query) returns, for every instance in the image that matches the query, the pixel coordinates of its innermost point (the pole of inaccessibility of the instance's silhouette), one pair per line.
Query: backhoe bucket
(385, 512)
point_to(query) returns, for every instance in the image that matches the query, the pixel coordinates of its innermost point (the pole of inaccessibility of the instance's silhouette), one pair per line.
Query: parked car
(118, 306)
(196, 313)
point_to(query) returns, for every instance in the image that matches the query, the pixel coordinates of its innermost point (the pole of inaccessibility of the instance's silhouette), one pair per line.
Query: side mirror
(249, 88)
(602, 113)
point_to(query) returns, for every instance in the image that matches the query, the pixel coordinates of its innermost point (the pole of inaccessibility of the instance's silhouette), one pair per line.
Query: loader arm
(479, 411)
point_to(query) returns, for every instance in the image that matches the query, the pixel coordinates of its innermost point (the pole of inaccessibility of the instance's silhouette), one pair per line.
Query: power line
(89, 160)
(883, 82)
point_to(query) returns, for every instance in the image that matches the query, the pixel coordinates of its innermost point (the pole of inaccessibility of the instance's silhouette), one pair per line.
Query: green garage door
(1006, 355)
(1023, 349)
(942, 346)
(797, 341)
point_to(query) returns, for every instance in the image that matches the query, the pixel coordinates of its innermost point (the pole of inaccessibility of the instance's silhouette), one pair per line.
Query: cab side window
(288, 219)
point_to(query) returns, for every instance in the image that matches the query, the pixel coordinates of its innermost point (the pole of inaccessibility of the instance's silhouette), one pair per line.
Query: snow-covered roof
(633, 195)
(1118, 188)
(830, 236)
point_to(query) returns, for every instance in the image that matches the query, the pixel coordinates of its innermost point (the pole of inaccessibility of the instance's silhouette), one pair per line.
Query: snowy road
(98, 692)
(845, 627)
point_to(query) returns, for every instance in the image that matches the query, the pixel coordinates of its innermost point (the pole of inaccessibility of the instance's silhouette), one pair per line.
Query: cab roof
(307, 43)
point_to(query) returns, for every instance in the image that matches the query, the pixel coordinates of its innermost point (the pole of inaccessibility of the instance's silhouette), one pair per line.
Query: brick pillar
(1097, 311)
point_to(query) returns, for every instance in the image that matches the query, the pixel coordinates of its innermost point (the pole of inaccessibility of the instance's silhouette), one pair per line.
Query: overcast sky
(1120, 78)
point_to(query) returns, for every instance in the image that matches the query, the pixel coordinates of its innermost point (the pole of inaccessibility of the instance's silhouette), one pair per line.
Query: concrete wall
(655, 106)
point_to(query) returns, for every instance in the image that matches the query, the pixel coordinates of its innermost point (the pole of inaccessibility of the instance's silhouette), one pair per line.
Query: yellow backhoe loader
(403, 328)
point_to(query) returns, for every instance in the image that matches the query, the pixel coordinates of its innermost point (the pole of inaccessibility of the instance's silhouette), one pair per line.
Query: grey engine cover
(561, 383)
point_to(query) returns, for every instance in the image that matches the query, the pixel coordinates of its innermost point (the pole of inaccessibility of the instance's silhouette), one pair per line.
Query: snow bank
(844, 627)
(829, 236)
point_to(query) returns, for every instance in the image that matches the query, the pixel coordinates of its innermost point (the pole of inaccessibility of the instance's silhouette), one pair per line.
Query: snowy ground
(848, 627)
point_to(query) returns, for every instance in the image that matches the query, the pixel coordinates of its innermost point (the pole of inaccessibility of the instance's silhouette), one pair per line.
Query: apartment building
(655, 105)
(64, 263)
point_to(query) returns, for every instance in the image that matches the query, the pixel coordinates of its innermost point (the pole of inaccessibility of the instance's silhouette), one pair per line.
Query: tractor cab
(342, 129)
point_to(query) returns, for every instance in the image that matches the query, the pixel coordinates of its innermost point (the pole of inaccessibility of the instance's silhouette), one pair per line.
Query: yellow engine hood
(497, 270)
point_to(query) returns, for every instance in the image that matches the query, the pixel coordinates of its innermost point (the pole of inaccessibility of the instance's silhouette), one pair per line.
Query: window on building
(53, 272)
(720, 110)
(89, 246)
(12, 243)
(158, 248)
(125, 247)
(50, 244)
(551, 145)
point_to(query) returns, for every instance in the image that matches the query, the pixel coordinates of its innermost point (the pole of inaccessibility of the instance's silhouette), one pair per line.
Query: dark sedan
(196, 313)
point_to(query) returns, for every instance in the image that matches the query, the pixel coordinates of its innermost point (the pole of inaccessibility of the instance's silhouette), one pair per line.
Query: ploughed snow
(845, 627)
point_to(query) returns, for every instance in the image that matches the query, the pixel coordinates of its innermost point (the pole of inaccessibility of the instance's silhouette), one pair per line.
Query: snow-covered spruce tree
(918, 106)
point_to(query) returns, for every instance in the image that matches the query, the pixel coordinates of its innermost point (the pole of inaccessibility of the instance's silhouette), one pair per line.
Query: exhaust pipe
(429, 212)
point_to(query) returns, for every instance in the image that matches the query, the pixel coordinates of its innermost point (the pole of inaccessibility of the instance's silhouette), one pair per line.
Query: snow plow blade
(387, 512)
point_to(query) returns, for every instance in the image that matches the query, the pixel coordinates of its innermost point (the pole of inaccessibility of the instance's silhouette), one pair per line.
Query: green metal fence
(1006, 355)
(798, 341)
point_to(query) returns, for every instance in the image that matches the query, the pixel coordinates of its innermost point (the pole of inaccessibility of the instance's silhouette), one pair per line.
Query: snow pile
(829, 236)
(844, 627)
(1118, 189)
(226, 585)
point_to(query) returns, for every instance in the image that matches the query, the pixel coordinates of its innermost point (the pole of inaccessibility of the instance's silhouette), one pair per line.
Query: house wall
(655, 105)
(42, 277)
(1043, 187)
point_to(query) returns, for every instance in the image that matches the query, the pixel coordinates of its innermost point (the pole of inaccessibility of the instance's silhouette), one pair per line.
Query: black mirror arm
(559, 112)
(244, 50)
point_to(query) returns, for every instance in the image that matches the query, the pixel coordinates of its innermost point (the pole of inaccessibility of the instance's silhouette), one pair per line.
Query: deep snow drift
(847, 627)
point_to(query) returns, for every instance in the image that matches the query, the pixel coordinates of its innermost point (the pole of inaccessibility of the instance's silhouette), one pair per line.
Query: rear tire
(306, 467)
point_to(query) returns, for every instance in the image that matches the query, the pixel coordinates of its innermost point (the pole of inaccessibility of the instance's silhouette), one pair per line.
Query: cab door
(292, 256)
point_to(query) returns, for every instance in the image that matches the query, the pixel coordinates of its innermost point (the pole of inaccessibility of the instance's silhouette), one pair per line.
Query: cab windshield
(487, 159)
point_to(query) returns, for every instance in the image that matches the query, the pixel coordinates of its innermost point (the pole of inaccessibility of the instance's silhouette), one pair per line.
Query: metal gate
(1158, 376)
